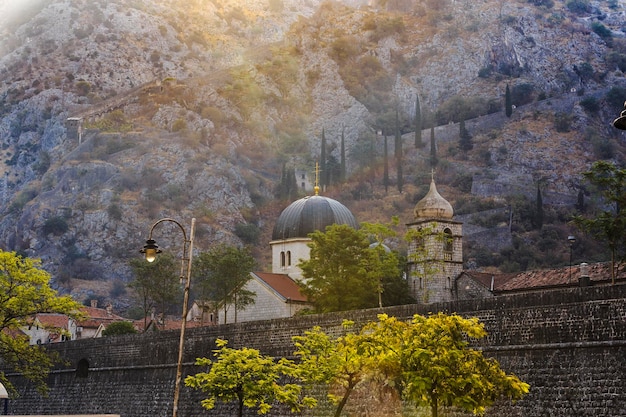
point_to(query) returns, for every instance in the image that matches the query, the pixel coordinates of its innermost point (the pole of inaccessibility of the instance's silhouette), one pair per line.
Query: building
(277, 292)
(435, 257)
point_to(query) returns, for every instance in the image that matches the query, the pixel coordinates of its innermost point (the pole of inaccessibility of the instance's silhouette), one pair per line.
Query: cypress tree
(398, 142)
(323, 172)
(539, 210)
(385, 166)
(433, 148)
(465, 139)
(342, 174)
(418, 123)
(508, 104)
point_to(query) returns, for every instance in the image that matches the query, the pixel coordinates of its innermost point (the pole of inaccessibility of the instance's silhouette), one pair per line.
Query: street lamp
(572, 240)
(151, 249)
(620, 122)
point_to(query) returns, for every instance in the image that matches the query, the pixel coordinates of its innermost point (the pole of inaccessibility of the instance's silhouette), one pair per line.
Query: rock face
(190, 108)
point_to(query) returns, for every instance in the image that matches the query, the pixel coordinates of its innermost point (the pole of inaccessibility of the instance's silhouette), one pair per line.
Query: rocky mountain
(114, 114)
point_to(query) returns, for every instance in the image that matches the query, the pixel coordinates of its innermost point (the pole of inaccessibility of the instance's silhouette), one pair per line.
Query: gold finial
(317, 178)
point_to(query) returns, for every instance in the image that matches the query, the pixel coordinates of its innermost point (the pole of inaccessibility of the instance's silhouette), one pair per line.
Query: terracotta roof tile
(283, 285)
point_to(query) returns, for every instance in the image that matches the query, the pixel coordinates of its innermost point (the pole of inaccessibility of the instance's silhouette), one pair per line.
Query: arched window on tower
(288, 258)
(448, 244)
(282, 259)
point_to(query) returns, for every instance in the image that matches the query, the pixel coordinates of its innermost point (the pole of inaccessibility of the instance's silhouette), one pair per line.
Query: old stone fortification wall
(570, 345)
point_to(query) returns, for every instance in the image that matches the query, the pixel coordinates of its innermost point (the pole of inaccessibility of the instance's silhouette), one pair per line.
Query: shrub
(578, 6)
(119, 328)
(562, 122)
(590, 104)
(249, 233)
(55, 225)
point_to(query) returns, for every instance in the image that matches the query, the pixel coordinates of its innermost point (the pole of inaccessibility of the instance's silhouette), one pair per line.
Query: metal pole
(181, 343)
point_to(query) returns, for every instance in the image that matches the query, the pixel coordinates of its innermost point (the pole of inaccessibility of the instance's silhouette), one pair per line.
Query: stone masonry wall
(569, 345)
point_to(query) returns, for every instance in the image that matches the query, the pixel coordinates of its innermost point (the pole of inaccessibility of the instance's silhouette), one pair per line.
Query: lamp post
(571, 239)
(150, 250)
(620, 122)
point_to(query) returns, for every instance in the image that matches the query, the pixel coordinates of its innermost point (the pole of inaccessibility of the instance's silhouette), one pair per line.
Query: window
(282, 259)
(288, 258)
(448, 244)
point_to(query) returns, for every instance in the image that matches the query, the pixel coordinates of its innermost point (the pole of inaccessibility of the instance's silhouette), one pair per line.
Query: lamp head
(150, 249)
(620, 122)
(571, 239)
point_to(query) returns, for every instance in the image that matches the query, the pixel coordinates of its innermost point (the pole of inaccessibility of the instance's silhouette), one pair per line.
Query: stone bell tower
(435, 253)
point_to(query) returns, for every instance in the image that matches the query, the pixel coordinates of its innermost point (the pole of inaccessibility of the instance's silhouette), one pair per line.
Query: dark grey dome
(309, 214)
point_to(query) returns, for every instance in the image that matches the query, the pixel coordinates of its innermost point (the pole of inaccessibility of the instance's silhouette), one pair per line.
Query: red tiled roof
(559, 277)
(97, 316)
(59, 321)
(283, 285)
(486, 279)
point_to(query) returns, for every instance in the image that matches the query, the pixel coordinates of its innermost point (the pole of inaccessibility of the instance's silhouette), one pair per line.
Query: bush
(55, 225)
(119, 328)
(562, 122)
(578, 6)
(522, 94)
(590, 104)
(249, 233)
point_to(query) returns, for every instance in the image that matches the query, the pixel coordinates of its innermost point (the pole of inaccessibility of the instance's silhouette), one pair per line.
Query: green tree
(609, 223)
(433, 148)
(344, 271)
(335, 362)
(323, 168)
(508, 102)
(248, 378)
(156, 284)
(220, 275)
(342, 174)
(24, 292)
(418, 123)
(429, 361)
(398, 154)
(465, 138)
(119, 328)
(539, 209)
(385, 165)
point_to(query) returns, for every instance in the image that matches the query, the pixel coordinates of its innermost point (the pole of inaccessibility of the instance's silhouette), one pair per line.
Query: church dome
(310, 214)
(433, 205)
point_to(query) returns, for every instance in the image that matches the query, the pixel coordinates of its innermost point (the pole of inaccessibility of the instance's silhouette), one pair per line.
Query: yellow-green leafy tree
(24, 292)
(338, 363)
(429, 362)
(249, 379)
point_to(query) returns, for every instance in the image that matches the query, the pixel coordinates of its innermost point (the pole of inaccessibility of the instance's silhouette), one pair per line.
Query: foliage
(248, 232)
(602, 31)
(220, 275)
(248, 378)
(418, 123)
(578, 6)
(433, 148)
(522, 94)
(609, 224)
(25, 291)
(429, 362)
(590, 104)
(156, 283)
(335, 362)
(344, 272)
(119, 328)
(56, 225)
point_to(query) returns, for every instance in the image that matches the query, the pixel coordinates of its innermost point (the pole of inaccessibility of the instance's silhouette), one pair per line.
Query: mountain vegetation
(116, 113)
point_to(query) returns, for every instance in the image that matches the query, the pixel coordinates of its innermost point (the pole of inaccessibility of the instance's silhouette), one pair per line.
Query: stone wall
(569, 345)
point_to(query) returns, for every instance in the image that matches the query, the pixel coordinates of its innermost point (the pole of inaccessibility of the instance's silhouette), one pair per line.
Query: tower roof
(310, 214)
(433, 205)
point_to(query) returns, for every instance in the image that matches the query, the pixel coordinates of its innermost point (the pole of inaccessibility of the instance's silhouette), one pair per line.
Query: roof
(282, 285)
(543, 278)
(310, 214)
(433, 205)
(54, 320)
(98, 316)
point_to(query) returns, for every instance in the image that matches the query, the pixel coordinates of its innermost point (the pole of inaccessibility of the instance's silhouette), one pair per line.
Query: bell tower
(435, 253)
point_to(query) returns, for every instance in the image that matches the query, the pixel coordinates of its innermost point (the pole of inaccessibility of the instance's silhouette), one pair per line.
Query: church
(435, 270)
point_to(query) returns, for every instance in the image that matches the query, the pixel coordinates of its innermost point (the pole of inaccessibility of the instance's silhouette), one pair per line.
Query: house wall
(569, 345)
(266, 306)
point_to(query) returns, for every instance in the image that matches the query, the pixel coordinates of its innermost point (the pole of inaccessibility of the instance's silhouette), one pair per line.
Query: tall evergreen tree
(539, 210)
(508, 103)
(433, 148)
(418, 123)
(398, 141)
(323, 170)
(385, 166)
(343, 157)
(465, 139)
